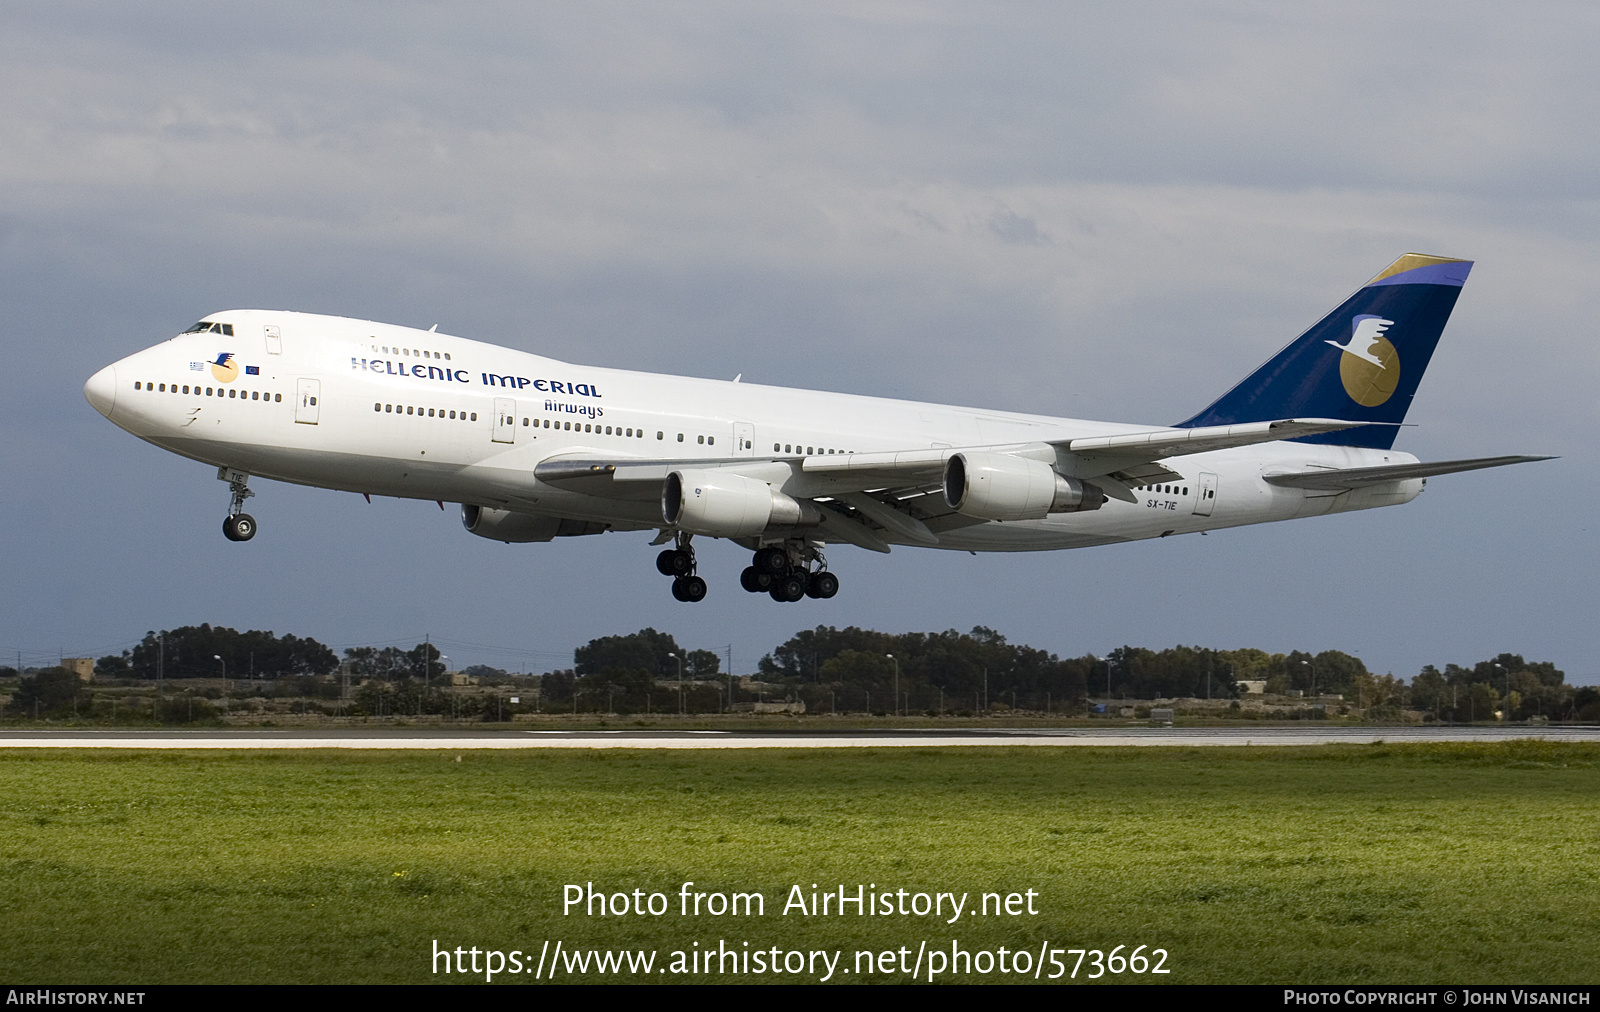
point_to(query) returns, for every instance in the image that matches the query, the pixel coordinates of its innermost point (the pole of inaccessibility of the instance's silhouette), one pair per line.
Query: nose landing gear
(679, 563)
(237, 525)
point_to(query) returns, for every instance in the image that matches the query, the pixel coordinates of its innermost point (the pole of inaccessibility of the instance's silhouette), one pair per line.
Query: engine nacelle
(723, 505)
(509, 526)
(998, 486)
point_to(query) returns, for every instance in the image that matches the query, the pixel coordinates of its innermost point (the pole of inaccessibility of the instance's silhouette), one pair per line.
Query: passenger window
(712, 440)
(660, 434)
(277, 397)
(680, 437)
(388, 408)
(408, 409)
(524, 423)
(474, 416)
(232, 393)
(776, 448)
(313, 402)
(447, 356)
(186, 388)
(701, 440)
(136, 385)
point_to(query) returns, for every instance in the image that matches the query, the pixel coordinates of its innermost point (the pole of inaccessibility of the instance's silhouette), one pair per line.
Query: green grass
(1458, 863)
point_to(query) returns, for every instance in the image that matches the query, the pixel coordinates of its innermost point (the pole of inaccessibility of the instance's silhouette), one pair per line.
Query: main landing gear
(785, 572)
(789, 572)
(237, 525)
(679, 564)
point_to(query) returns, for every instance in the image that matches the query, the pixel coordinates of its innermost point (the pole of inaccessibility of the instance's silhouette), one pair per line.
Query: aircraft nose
(101, 390)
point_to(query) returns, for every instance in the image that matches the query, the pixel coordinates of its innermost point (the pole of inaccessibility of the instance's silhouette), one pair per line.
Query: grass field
(1442, 863)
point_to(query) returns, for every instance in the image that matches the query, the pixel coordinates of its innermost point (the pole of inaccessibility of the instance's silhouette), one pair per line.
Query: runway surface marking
(399, 739)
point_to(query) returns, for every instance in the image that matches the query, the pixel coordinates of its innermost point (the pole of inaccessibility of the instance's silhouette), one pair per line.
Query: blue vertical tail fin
(1362, 362)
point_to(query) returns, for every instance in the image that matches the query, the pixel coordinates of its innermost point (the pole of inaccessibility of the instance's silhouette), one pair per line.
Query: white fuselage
(385, 410)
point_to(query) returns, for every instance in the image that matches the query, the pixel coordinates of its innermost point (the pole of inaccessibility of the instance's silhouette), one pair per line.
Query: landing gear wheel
(689, 588)
(239, 527)
(772, 561)
(674, 562)
(823, 585)
(755, 581)
(788, 588)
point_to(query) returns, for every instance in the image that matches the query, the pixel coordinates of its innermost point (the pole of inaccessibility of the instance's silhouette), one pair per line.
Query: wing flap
(1360, 477)
(1161, 443)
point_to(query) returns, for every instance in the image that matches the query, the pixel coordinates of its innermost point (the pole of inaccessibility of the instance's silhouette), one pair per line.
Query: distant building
(795, 707)
(83, 667)
(1253, 687)
(459, 678)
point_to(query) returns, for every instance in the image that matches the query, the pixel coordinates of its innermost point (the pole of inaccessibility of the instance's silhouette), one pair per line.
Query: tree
(190, 652)
(646, 649)
(1479, 702)
(1429, 690)
(48, 691)
(702, 664)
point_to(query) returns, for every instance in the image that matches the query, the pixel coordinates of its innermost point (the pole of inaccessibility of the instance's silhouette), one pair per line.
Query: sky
(1086, 210)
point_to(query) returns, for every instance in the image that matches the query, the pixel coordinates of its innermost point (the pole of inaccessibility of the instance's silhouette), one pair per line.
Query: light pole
(1507, 707)
(896, 707)
(1313, 668)
(219, 660)
(680, 682)
(1095, 660)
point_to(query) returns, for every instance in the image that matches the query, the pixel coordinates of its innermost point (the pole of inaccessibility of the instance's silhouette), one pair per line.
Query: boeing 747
(534, 449)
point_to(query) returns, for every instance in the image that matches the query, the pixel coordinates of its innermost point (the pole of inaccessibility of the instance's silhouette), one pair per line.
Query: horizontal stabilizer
(1360, 477)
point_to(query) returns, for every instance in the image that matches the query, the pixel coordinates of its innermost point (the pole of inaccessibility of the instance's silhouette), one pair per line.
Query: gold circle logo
(1369, 383)
(226, 370)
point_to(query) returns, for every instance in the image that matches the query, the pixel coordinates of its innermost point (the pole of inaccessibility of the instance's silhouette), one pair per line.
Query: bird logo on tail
(1370, 366)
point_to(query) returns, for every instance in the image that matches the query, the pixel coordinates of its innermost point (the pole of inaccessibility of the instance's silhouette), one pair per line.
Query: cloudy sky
(1100, 211)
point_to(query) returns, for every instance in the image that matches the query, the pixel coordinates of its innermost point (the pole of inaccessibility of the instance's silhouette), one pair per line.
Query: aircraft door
(505, 420)
(1207, 496)
(307, 393)
(274, 340)
(744, 439)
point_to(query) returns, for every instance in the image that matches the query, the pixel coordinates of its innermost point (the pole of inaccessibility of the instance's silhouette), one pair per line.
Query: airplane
(534, 449)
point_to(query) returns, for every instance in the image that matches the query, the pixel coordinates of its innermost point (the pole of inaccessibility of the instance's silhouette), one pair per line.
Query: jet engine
(998, 486)
(509, 526)
(723, 505)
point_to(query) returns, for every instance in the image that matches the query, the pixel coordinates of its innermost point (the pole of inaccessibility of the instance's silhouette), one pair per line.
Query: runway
(479, 738)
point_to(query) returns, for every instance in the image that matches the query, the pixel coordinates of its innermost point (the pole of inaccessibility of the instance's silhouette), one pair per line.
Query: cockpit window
(206, 326)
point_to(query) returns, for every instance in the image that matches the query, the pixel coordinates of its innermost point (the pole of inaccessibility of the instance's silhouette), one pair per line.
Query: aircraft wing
(1330, 479)
(901, 491)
